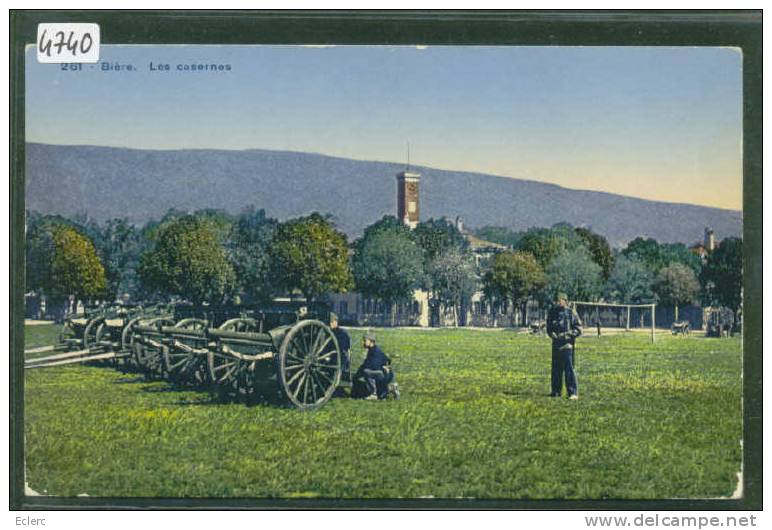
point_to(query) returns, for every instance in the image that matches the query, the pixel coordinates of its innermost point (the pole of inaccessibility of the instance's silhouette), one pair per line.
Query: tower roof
(408, 175)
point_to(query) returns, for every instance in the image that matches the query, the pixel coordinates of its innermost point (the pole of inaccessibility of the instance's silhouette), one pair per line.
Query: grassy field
(653, 421)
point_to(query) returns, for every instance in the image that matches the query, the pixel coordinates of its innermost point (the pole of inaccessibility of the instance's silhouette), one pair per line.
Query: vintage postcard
(373, 272)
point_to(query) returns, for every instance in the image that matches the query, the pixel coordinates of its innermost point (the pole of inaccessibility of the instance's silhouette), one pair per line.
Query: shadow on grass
(265, 393)
(525, 394)
(131, 380)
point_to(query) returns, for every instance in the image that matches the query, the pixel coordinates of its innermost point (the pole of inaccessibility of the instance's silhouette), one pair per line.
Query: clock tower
(408, 206)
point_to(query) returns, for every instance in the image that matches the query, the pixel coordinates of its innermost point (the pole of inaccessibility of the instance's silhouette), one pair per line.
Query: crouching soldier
(376, 372)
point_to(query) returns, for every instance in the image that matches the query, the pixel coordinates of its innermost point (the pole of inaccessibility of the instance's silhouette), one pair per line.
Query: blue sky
(656, 123)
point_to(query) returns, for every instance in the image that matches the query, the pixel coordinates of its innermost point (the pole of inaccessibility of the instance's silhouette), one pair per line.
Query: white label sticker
(68, 43)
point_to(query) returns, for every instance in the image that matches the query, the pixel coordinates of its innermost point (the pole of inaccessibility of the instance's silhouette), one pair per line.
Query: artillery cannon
(285, 348)
(244, 351)
(99, 334)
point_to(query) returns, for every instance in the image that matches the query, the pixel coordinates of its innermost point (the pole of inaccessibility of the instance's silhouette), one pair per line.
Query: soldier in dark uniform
(344, 343)
(376, 371)
(563, 326)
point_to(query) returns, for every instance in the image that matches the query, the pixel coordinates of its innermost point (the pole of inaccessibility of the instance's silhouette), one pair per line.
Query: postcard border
(738, 28)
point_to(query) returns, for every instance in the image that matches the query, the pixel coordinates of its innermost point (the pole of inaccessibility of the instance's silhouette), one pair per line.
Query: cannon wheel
(309, 364)
(127, 335)
(223, 368)
(127, 354)
(149, 361)
(179, 364)
(117, 361)
(91, 331)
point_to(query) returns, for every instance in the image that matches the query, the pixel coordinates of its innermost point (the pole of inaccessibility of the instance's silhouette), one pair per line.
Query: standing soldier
(344, 343)
(563, 326)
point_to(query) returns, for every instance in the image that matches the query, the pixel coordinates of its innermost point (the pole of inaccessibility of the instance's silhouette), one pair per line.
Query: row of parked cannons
(286, 350)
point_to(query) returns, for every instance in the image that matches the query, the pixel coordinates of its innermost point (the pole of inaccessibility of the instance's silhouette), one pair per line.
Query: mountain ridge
(101, 181)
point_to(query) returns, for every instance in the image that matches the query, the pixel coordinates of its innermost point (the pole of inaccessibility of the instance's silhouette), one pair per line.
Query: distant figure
(376, 371)
(344, 343)
(563, 326)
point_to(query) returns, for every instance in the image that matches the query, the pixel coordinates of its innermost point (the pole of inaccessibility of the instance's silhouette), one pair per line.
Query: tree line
(580, 263)
(214, 256)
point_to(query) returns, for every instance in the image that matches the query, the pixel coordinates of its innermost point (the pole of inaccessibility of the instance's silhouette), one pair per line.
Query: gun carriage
(285, 348)
(99, 334)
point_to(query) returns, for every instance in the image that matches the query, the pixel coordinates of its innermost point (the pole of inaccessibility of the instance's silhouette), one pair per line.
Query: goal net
(601, 318)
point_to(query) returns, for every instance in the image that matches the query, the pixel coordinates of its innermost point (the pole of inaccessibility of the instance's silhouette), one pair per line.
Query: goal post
(619, 316)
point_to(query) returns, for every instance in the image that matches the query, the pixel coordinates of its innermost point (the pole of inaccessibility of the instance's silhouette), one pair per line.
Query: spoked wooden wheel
(91, 331)
(104, 336)
(309, 364)
(224, 369)
(181, 365)
(147, 357)
(127, 355)
(241, 325)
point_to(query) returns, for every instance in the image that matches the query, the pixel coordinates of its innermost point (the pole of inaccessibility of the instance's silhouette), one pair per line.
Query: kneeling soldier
(376, 371)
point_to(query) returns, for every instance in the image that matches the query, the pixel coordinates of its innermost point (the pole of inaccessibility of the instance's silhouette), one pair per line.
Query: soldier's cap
(561, 296)
(369, 335)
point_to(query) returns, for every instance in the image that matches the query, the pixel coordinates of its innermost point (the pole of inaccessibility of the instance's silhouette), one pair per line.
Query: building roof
(475, 243)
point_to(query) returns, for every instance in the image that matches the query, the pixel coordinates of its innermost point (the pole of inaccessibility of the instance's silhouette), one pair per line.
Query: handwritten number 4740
(73, 45)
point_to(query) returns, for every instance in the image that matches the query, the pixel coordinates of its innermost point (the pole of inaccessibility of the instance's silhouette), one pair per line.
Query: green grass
(40, 335)
(654, 421)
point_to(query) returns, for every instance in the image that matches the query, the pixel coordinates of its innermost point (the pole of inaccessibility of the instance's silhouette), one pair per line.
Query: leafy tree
(599, 249)
(309, 255)
(680, 253)
(387, 265)
(630, 282)
(656, 255)
(39, 247)
(118, 244)
(88, 226)
(645, 250)
(453, 278)
(500, 235)
(675, 285)
(514, 276)
(722, 276)
(575, 273)
(545, 244)
(247, 249)
(74, 267)
(121, 246)
(387, 223)
(220, 220)
(541, 243)
(61, 261)
(435, 236)
(187, 260)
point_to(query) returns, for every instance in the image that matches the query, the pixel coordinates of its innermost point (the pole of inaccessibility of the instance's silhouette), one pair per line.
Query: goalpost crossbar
(598, 305)
(604, 304)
